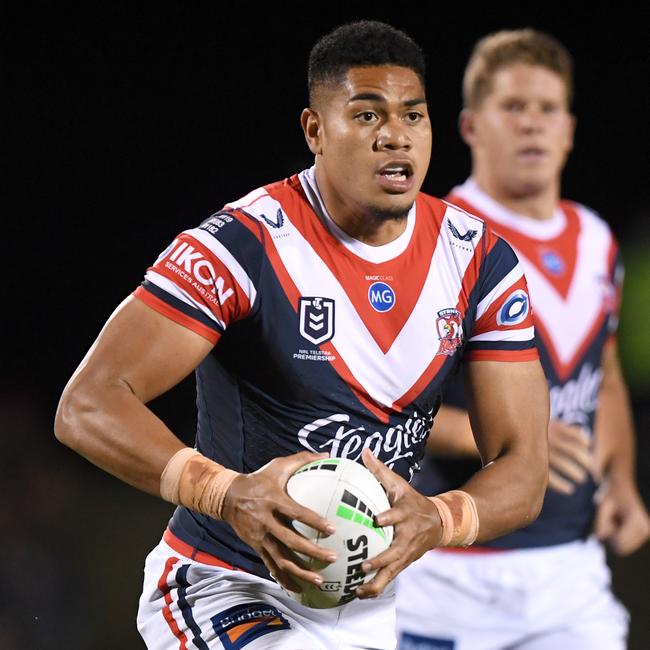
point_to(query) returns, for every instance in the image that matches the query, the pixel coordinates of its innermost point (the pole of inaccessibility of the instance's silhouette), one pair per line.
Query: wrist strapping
(459, 518)
(196, 482)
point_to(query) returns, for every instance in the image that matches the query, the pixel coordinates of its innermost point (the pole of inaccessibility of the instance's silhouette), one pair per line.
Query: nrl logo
(450, 330)
(317, 319)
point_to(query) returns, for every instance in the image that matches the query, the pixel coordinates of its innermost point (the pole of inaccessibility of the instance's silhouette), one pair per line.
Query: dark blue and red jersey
(574, 274)
(327, 344)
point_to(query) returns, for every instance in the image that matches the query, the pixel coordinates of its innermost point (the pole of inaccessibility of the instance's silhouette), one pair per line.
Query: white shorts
(187, 604)
(552, 598)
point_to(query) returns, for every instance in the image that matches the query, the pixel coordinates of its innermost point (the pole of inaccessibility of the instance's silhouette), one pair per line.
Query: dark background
(127, 125)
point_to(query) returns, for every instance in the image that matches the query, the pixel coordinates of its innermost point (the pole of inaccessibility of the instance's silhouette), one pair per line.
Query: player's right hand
(570, 456)
(259, 509)
(416, 522)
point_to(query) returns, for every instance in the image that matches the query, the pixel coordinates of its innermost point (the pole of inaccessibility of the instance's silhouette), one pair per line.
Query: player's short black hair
(358, 44)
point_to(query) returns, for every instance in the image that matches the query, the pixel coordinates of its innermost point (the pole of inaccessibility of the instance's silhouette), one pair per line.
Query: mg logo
(317, 319)
(381, 296)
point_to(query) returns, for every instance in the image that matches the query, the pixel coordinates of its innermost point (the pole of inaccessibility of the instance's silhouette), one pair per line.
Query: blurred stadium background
(126, 126)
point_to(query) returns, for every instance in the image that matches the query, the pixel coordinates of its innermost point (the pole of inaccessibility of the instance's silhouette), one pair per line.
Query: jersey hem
(193, 553)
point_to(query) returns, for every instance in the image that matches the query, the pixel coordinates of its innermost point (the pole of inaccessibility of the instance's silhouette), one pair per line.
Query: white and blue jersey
(326, 344)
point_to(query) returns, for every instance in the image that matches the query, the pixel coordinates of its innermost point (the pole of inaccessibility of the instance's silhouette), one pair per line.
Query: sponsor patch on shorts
(239, 625)
(410, 641)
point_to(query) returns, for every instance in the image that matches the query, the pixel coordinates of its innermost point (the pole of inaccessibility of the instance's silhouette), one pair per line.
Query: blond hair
(504, 48)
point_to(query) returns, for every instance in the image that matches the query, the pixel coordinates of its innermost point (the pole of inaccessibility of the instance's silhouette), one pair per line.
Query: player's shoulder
(460, 223)
(265, 208)
(589, 217)
(470, 232)
(250, 215)
(461, 216)
(235, 233)
(264, 198)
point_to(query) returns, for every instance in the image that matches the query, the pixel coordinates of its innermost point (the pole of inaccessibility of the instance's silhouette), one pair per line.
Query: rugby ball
(348, 495)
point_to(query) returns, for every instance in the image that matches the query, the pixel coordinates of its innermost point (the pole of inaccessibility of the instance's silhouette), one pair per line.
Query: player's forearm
(451, 434)
(614, 425)
(614, 430)
(108, 425)
(508, 492)
(511, 428)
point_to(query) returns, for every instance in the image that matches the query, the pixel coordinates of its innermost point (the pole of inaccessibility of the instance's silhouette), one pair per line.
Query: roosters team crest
(450, 330)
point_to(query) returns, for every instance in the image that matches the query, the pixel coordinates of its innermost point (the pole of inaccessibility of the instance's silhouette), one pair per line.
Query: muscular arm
(569, 447)
(622, 519)
(509, 416)
(102, 414)
(614, 429)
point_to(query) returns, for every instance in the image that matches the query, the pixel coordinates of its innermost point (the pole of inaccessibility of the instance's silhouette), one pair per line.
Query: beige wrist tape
(196, 482)
(459, 518)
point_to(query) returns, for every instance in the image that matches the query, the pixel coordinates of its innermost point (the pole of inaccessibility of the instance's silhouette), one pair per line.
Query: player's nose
(393, 135)
(531, 119)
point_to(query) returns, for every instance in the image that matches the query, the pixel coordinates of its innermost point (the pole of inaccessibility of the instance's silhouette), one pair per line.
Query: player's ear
(311, 122)
(466, 126)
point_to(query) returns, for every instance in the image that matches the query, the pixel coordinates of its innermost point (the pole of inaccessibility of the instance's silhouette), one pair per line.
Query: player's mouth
(396, 177)
(531, 155)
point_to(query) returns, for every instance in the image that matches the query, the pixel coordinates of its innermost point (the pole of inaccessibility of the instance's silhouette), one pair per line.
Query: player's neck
(367, 230)
(362, 225)
(535, 203)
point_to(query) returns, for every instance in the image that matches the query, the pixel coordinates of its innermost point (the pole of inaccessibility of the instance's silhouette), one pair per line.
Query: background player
(305, 308)
(551, 587)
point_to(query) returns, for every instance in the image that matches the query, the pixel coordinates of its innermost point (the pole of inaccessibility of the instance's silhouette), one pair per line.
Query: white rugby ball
(348, 495)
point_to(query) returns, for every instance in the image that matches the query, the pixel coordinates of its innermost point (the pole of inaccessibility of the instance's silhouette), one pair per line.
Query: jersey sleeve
(206, 279)
(503, 325)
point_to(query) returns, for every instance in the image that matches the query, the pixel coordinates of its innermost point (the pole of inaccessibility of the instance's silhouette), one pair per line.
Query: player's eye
(549, 108)
(514, 106)
(413, 117)
(366, 117)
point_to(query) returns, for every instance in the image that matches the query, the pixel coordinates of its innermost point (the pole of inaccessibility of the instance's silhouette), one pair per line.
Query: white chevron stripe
(386, 377)
(569, 320)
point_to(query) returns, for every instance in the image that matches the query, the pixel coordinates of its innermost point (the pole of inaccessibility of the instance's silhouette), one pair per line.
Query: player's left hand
(417, 527)
(570, 458)
(622, 521)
